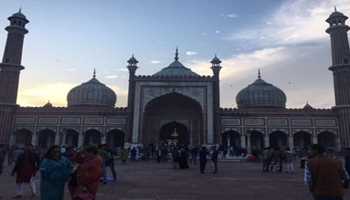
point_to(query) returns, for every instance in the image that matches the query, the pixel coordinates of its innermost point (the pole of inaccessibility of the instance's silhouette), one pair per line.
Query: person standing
(203, 153)
(327, 176)
(2, 157)
(55, 171)
(214, 158)
(194, 155)
(26, 166)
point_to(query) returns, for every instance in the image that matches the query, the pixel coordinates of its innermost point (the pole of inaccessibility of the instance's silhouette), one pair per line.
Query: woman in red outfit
(25, 169)
(86, 179)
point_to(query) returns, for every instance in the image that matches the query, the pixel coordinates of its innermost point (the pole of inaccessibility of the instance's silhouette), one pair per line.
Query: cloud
(231, 15)
(238, 64)
(217, 31)
(155, 61)
(295, 21)
(39, 95)
(191, 53)
(113, 76)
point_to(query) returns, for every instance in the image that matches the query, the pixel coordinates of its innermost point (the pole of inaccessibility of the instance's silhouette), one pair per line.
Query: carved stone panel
(302, 122)
(278, 122)
(70, 120)
(254, 122)
(48, 120)
(116, 121)
(25, 120)
(93, 120)
(326, 122)
(230, 122)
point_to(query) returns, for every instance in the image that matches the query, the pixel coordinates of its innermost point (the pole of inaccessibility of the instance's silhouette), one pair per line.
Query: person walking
(203, 153)
(55, 171)
(327, 176)
(290, 157)
(214, 159)
(267, 158)
(87, 175)
(26, 166)
(109, 162)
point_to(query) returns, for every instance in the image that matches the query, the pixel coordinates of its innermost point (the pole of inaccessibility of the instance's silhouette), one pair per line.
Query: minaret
(341, 72)
(132, 67)
(9, 74)
(216, 67)
(11, 61)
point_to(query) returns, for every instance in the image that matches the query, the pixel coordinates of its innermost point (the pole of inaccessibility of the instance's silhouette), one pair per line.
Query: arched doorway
(92, 137)
(174, 133)
(115, 138)
(231, 139)
(279, 139)
(72, 137)
(23, 137)
(46, 138)
(256, 141)
(302, 140)
(327, 139)
(169, 108)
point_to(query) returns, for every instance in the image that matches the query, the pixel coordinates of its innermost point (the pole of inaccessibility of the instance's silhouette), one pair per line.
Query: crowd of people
(83, 170)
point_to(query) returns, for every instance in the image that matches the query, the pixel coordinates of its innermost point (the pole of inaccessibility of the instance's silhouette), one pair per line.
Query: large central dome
(176, 69)
(91, 93)
(261, 94)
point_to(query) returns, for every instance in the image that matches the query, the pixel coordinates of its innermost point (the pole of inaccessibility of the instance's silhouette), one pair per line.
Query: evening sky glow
(67, 39)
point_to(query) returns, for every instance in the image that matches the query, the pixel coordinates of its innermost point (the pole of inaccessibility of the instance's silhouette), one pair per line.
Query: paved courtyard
(149, 180)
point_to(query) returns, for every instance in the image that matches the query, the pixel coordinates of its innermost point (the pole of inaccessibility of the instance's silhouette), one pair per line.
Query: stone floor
(235, 180)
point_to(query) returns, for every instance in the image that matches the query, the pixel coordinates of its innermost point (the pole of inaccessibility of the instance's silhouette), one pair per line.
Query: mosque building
(175, 105)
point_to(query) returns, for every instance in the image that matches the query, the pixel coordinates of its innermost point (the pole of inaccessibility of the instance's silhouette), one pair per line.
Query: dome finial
(259, 74)
(94, 73)
(335, 8)
(177, 54)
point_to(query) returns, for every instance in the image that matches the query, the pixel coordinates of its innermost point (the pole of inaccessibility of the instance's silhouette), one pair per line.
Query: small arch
(256, 141)
(327, 139)
(23, 137)
(115, 138)
(302, 140)
(46, 138)
(279, 139)
(92, 137)
(231, 139)
(71, 138)
(174, 132)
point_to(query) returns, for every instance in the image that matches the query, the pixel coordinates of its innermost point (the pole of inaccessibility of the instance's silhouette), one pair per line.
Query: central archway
(162, 112)
(175, 133)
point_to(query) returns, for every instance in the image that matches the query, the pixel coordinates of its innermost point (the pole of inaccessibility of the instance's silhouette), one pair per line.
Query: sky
(286, 39)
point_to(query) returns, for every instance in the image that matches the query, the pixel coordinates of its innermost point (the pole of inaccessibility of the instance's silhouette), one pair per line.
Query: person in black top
(203, 159)
(214, 158)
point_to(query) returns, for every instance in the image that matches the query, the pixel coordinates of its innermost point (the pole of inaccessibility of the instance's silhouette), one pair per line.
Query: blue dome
(91, 93)
(261, 94)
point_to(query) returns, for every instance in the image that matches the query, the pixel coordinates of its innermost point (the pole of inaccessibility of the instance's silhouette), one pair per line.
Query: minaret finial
(335, 8)
(177, 54)
(259, 74)
(20, 9)
(94, 74)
